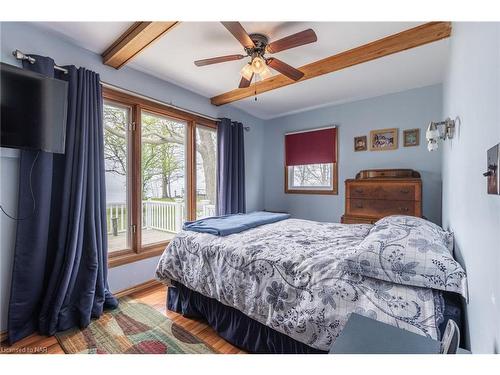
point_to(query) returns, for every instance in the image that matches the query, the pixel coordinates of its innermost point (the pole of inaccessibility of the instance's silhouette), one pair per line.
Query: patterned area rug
(132, 328)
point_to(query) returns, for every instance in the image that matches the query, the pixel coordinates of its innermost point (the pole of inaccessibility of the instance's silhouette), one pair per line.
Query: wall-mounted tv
(33, 110)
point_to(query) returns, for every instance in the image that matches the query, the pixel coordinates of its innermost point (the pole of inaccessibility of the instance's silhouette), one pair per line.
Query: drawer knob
(359, 191)
(405, 191)
(403, 209)
(359, 205)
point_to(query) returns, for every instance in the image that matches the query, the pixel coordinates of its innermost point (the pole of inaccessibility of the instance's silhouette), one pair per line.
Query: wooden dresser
(376, 193)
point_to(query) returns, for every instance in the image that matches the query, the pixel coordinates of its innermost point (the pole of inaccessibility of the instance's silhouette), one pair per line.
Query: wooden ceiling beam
(411, 38)
(138, 37)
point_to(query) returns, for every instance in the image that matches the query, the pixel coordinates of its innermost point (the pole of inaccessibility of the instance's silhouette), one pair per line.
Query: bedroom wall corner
(472, 92)
(409, 109)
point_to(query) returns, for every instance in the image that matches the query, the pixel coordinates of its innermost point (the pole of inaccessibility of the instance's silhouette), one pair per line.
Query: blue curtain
(230, 168)
(59, 277)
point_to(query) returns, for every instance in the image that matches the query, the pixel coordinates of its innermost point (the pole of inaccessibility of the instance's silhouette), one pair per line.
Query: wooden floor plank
(155, 297)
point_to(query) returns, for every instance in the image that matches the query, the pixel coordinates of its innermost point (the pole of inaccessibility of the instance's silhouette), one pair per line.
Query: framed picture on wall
(384, 139)
(360, 143)
(411, 137)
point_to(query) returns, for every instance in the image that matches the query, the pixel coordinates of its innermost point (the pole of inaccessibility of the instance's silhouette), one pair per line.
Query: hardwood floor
(155, 297)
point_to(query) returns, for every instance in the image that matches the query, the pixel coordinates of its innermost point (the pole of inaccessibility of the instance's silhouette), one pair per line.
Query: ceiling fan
(256, 46)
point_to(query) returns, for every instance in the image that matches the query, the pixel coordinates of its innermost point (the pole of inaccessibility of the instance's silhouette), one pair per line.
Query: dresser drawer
(389, 191)
(380, 208)
(346, 219)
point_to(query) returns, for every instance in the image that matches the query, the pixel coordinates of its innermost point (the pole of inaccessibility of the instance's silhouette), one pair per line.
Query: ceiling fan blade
(285, 69)
(245, 82)
(216, 60)
(239, 33)
(292, 41)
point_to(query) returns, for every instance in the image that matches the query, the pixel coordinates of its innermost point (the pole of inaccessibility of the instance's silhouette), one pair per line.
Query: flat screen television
(33, 110)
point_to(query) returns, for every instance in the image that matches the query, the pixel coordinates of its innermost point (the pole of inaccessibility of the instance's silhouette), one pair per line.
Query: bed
(291, 285)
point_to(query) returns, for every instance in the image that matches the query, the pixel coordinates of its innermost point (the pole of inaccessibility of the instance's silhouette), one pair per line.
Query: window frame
(136, 251)
(319, 191)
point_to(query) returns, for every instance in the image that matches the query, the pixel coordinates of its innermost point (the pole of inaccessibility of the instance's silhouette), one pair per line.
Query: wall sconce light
(439, 130)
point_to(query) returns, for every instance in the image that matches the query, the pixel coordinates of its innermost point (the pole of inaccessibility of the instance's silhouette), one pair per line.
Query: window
(311, 162)
(160, 171)
(206, 174)
(311, 176)
(163, 177)
(116, 161)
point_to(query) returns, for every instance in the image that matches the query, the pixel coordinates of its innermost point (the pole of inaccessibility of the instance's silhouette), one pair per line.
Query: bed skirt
(232, 325)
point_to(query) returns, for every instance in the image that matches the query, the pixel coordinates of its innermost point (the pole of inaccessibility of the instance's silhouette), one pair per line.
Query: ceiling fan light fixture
(247, 72)
(266, 73)
(258, 64)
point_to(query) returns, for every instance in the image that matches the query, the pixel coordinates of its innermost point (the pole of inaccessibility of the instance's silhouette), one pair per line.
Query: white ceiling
(171, 59)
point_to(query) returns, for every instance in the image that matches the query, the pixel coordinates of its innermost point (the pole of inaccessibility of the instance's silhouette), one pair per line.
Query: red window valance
(311, 147)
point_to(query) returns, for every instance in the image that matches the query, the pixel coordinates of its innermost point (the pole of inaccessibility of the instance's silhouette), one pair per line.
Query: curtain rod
(21, 56)
(133, 93)
(312, 130)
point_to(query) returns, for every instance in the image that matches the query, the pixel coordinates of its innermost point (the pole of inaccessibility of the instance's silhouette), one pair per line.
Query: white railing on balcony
(116, 211)
(157, 215)
(164, 216)
(205, 209)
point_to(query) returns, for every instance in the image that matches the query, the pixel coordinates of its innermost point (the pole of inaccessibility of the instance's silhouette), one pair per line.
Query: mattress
(300, 278)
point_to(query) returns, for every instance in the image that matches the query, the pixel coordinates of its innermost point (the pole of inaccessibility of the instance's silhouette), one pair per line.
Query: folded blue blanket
(229, 224)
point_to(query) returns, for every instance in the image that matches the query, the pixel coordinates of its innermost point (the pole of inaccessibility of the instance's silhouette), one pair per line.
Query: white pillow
(431, 229)
(408, 251)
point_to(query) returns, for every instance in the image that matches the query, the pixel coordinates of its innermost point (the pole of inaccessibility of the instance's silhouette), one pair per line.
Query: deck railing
(116, 217)
(164, 216)
(206, 209)
(157, 215)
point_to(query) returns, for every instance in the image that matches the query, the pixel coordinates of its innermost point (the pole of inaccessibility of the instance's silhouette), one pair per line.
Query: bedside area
(363, 335)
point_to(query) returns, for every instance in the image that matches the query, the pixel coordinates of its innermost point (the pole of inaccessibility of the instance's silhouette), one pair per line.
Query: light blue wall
(31, 39)
(404, 110)
(472, 92)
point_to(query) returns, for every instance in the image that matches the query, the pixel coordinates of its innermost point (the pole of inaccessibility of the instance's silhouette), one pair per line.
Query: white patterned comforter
(300, 278)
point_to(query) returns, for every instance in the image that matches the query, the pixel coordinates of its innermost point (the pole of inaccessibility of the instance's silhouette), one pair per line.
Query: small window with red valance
(311, 161)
